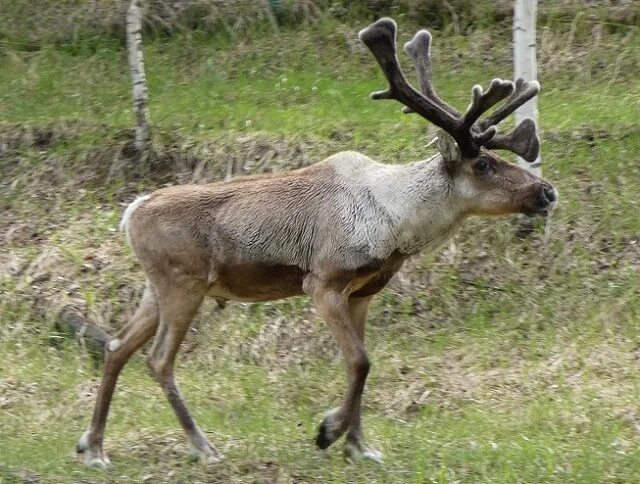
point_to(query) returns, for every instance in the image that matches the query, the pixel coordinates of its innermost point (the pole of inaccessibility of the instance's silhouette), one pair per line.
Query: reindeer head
(482, 181)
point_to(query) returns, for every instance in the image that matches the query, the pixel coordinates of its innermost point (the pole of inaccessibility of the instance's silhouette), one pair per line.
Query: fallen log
(68, 322)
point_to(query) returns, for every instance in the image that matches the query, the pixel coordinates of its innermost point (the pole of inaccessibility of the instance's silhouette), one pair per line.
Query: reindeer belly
(256, 282)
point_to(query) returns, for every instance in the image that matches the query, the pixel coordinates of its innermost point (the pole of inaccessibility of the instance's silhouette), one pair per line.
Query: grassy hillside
(506, 360)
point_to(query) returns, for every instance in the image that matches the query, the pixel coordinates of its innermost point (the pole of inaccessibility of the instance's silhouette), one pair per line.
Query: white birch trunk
(524, 59)
(136, 66)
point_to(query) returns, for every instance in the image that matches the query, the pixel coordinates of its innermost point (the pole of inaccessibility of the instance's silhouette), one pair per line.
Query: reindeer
(336, 231)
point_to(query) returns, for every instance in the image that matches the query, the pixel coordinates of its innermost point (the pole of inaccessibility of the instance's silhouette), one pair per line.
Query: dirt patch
(174, 462)
(290, 340)
(603, 376)
(170, 159)
(15, 137)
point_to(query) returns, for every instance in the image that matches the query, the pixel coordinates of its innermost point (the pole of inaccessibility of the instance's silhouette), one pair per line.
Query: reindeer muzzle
(546, 200)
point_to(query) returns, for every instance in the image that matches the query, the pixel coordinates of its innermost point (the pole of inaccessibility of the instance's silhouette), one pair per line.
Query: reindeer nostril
(546, 198)
(549, 193)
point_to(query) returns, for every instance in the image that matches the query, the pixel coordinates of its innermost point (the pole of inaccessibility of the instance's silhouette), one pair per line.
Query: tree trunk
(524, 59)
(136, 66)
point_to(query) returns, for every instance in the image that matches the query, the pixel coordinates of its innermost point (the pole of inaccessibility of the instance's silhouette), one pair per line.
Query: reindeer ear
(448, 148)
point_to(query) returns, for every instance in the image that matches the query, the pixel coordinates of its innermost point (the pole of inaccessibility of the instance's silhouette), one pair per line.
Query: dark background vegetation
(32, 24)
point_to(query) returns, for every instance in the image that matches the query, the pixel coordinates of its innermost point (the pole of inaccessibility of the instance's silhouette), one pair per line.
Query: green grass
(522, 355)
(218, 90)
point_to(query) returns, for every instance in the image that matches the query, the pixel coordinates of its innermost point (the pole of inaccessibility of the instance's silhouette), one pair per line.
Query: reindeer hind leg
(134, 334)
(178, 305)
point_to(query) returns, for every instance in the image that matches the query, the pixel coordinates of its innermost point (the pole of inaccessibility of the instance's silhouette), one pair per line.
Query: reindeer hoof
(331, 428)
(203, 451)
(214, 459)
(92, 455)
(98, 462)
(206, 457)
(322, 439)
(355, 452)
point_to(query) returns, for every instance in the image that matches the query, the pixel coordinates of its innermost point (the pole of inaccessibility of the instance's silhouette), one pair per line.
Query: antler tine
(419, 49)
(522, 140)
(524, 91)
(483, 101)
(380, 38)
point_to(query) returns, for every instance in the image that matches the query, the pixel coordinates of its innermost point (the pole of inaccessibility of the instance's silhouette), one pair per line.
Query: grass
(509, 361)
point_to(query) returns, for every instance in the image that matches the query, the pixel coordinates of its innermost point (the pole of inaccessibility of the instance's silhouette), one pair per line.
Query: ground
(502, 359)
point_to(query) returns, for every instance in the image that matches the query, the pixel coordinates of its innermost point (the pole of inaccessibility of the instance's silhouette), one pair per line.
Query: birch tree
(524, 59)
(138, 79)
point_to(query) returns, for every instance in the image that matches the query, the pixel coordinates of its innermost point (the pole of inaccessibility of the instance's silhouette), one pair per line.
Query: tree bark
(138, 79)
(524, 59)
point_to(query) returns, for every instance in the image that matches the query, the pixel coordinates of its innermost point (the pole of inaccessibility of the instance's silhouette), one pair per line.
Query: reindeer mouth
(545, 203)
(546, 212)
(540, 211)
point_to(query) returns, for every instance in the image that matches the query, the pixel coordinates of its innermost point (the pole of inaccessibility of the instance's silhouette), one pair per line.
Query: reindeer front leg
(355, 447)
(332, 304)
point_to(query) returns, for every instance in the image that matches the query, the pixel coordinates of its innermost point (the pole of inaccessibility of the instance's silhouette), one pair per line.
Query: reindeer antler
(522, 140)
(380, 38)
(469, 133)
(419, 49)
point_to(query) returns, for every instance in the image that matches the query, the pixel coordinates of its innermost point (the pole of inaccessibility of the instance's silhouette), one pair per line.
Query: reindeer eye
(483, 167)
